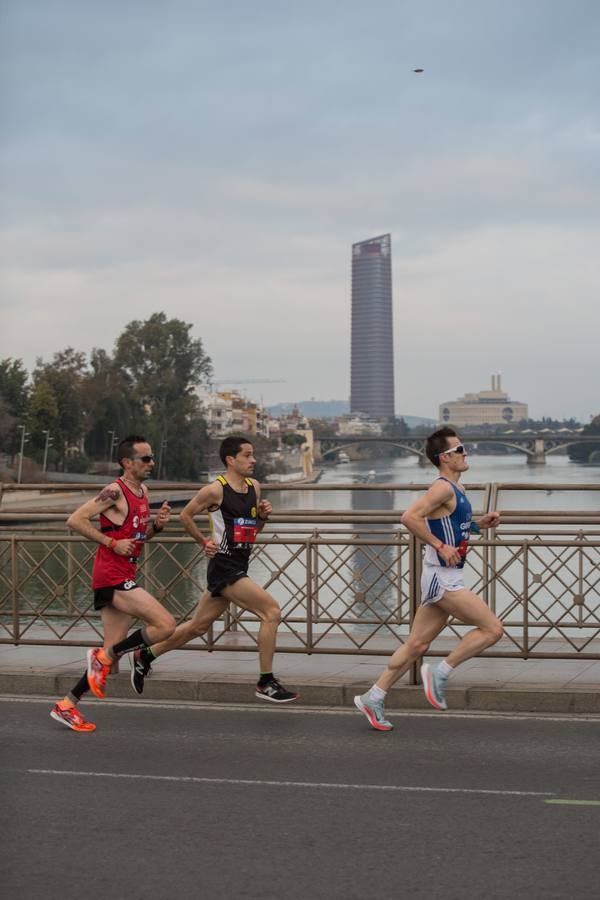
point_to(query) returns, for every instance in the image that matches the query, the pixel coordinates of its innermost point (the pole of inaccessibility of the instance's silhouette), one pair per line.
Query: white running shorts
(436, 580)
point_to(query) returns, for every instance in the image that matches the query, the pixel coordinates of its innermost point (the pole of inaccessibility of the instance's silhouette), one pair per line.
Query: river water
(559, 470)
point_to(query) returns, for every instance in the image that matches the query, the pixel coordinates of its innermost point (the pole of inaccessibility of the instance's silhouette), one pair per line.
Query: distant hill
(329, 409)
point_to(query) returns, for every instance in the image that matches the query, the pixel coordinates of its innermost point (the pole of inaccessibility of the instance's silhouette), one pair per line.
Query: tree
(43, 416)
(64, 377)
(109, 409)
(584, 452)
(291, 439)
(163, 365)
(13, 401)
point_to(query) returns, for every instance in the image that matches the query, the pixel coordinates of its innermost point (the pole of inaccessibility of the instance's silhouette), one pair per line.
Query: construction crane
(247, 381)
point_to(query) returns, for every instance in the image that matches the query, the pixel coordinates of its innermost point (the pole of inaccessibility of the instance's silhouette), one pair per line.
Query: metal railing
(347, 580)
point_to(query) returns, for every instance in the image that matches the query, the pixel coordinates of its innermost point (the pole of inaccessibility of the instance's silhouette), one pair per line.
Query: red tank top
(109, 567)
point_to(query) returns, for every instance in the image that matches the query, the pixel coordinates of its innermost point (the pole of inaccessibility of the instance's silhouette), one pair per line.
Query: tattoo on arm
(107, 493)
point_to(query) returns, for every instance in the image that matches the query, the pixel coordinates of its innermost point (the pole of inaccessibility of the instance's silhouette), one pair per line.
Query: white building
(492, 407)
(357, 425)
(228, 412)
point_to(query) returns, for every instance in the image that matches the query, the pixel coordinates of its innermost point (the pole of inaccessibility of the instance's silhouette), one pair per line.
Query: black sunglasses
(149, 457)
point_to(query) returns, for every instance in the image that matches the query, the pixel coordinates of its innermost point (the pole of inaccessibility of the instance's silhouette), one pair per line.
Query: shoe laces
(71, 712)
(377, 706)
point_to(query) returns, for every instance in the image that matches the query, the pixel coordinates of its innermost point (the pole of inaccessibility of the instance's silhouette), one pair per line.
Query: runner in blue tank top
(442, 520)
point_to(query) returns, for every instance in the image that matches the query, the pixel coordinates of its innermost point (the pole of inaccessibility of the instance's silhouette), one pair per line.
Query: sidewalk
(508, 685)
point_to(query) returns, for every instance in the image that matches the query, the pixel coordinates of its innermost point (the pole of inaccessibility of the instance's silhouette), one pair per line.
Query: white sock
(443, 670)
(376, 693)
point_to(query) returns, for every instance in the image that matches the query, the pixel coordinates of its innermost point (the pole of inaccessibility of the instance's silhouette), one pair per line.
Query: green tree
(163, 365)
(109, 409)
(65, 376)
(13, 402)
(43, 415)
(291, 439)
(584, 452)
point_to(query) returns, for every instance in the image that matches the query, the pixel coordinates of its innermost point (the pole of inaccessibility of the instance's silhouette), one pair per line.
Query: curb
(332, 694)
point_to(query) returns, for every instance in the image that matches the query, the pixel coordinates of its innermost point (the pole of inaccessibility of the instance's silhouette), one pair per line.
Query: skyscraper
(372, 360)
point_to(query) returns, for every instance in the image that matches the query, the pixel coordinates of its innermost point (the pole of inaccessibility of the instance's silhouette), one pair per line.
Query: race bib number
(244, 531)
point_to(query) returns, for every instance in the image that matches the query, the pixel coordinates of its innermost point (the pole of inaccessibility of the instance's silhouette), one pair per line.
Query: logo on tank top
(244, 531)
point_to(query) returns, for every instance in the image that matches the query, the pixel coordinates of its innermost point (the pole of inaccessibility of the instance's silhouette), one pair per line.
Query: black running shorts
(104, 596)
(224, 570)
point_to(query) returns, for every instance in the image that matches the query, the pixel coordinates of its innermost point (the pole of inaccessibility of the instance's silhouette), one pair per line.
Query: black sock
(133, 642)
(81, 688)
(147, 655)
(265, 677)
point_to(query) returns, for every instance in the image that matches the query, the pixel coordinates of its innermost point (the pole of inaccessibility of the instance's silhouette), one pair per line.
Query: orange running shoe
(72, 718)
(97, 673)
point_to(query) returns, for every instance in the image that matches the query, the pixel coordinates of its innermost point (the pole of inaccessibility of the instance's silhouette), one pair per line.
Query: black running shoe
(274, 692)
(140, 670)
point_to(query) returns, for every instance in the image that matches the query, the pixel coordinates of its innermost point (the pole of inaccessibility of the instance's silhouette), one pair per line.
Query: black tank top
(233, 524)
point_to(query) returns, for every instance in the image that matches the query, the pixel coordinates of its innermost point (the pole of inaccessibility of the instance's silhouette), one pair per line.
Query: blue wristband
(475, 529)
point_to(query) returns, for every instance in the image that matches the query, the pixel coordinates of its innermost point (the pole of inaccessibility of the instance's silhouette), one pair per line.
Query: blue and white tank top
(453, 530)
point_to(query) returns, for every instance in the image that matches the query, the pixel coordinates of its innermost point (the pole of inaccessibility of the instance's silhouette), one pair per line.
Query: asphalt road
(169, 801)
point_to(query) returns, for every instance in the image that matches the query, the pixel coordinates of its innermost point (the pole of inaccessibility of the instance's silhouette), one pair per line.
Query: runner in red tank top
(125, 525)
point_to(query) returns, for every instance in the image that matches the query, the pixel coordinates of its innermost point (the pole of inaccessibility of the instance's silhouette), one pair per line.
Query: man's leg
(208, 611)
(116, 625)
(427, 624)
(158, 624)
(469, 609)
(249, 595)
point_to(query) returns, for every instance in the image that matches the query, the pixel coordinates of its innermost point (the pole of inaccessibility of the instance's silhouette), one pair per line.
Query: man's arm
(80, 521)
(415, 517)
(208, 496)
(489, 520)
(160, 520)
(264, 509)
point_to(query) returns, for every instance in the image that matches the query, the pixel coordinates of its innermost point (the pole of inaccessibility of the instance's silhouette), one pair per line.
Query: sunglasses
(460, 448)
(148, 458)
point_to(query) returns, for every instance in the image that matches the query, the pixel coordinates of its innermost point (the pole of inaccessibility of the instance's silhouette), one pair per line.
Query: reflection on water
(371, 564)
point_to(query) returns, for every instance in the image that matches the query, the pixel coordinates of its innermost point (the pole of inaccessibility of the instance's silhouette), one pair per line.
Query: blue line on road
(297, 784)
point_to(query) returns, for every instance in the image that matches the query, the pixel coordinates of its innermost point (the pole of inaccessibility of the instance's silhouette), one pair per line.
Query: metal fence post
(15, 590)
(415, 563)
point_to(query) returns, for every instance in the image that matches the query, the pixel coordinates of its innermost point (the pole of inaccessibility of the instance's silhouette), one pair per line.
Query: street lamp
(162, 455)
(114, 440)
(46, 445)
(24, 436)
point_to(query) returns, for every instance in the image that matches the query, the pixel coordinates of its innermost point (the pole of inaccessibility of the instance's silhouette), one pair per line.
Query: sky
(216, 161)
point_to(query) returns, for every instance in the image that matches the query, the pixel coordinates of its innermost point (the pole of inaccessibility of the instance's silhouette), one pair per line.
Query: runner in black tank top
(237, 515)
(234, 526)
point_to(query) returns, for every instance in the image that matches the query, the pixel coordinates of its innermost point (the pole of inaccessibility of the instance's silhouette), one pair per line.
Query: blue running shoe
(434, 687)
(373, 710)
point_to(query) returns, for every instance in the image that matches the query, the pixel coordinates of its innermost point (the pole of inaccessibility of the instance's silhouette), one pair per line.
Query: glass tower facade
(372, 358)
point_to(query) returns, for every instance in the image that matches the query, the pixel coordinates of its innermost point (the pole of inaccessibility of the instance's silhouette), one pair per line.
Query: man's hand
(162, 516)
(264, 510)
(124, 547)
(210, 548)
(450, 555)
(490, 520)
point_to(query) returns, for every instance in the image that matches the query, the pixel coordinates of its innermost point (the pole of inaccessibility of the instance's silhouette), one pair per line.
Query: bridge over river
(534, 445)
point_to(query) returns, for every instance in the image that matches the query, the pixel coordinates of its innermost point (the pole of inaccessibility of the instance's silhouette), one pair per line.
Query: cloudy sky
(216, 159)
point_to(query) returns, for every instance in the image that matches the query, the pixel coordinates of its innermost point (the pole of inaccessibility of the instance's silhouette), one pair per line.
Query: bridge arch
(411, 448)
